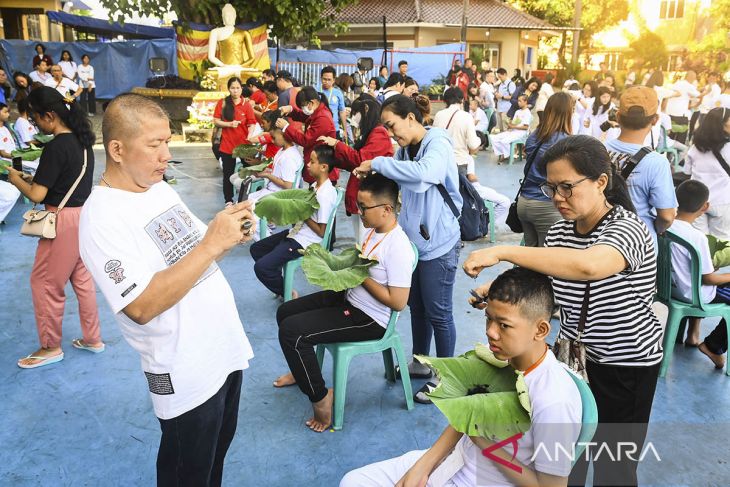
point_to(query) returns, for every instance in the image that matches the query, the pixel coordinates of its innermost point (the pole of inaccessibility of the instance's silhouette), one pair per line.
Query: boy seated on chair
(353, 315)
(517, 129)
(518, 310)
(693, 198)
(273, 252)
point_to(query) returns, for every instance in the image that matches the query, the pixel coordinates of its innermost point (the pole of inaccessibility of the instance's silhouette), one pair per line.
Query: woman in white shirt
(711, 140)
(68, 66)
(598, 114)
(86, 78)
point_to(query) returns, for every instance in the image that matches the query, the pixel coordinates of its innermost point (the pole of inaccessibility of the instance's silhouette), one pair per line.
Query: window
(484, 52)
(675, 63)
(33, 23)
(671, 9)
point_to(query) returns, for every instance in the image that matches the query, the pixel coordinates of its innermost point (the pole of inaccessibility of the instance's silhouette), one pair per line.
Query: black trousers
(624, 396)
(194, 445)
(229, 165)
(323, 317)
(88, 100)
(716, 341)
(270, 255)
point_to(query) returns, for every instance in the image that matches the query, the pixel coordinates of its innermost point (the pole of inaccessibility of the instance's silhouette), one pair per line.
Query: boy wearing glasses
(272, 253)
(353, 315)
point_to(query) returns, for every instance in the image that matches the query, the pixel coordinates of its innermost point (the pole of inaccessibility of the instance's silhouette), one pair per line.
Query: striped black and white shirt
(621, 328)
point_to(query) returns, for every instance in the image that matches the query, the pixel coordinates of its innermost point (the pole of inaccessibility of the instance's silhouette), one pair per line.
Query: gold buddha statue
(230, 50)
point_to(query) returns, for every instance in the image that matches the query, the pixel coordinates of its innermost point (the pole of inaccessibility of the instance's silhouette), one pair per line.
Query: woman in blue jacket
(424, 161)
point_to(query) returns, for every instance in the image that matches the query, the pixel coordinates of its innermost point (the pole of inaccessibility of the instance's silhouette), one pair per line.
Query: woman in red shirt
(257, 95)
(236, 118)
(374, 141)
(315, 113)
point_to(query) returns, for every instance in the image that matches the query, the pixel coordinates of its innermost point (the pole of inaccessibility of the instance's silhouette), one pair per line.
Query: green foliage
(289, 19)
(247, 171)
(347, 270)
(30, 154)
(719, 250)
(478, 398)
(649, 51)
(713, 50)
(246, 151)
(288, 206)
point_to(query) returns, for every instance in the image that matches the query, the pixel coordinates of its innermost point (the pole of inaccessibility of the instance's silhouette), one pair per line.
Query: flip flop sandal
(43, 361)
(421, 397)
(427, 375)
(79, 343)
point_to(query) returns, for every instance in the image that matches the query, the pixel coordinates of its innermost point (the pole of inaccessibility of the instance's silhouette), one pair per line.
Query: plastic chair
(516, 144)
(343, 353)
(263, 224)
(492, 218)
(678, 309)
(664, 148)
(292, 265)
(589, 420)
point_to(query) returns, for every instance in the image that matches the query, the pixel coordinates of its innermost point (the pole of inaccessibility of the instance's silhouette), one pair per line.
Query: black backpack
(474, 217)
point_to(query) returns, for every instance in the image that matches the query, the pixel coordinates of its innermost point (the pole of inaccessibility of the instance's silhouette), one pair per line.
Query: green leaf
(43, 138)
(246, 151)
(30, 154)
(331, 272)
(477, 398)
(247, 171)
(719, 250)
(288, 206)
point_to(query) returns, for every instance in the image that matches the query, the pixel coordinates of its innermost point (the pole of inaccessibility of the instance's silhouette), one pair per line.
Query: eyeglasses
(364, 208)
(563, 189)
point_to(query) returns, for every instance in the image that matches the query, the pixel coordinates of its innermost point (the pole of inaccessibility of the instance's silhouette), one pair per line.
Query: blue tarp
(424, 63)
(91, 24)
(118, 66)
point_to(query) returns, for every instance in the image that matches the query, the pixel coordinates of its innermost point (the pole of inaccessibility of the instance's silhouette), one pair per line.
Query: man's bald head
(124, 117)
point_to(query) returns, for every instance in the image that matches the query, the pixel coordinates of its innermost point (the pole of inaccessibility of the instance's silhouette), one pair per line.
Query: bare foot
(718, 360)
(322, 413)
(285, 380)
(294, 294)
(693, 333)
(41, 352)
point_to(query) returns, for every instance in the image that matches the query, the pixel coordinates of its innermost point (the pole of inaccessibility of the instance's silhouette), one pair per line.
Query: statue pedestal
(222, 81)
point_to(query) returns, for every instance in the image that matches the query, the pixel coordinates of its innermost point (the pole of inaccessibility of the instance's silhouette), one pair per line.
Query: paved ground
(88, 420)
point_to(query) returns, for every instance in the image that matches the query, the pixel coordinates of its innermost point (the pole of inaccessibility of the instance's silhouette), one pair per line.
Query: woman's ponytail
(45, 99)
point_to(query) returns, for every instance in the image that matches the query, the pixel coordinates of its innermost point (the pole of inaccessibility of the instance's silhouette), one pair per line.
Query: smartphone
(18, 163)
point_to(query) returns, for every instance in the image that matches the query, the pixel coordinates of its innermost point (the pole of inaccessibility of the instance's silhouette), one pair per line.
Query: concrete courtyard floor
(88, 420)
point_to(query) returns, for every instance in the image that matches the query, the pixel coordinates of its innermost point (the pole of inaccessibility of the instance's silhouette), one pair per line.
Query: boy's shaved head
(125, 114)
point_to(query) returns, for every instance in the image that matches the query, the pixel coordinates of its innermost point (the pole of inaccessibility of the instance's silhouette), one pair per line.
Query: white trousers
(502, 140)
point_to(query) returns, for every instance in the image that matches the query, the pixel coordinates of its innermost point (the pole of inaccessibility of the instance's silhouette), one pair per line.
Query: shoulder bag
(42, 223)
(573, 352)
(513, 221)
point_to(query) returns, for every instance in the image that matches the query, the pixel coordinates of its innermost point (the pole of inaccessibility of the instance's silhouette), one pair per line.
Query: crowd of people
(597, 194)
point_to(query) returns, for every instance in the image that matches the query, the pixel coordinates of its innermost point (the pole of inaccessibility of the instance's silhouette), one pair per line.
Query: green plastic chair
(492, 218)
(678, 309)
(589, 419)
(664, 148)
(516, 144)
(291, 266)
(263, 224)
(343, 353)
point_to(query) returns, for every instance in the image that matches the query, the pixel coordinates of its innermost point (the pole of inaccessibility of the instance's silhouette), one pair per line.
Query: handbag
(42, 223)
(513, 221)
(573, 352)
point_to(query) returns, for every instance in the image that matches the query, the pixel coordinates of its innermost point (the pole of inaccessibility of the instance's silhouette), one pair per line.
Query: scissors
(479, 298)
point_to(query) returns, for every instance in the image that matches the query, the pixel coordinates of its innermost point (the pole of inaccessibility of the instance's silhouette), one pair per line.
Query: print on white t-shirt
(25, 130)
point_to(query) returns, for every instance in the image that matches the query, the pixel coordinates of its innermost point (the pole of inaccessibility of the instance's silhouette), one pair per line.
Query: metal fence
(307, 73)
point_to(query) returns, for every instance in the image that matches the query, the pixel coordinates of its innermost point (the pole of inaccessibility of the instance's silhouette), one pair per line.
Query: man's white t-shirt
(7, 141)
(556, 420)
(486, 93)
(286, 164)
(681, 272)
(188, 351)
(326, 197)
(480, 119)
(678, 106)
(395, 257)
(25, 130)
(65, 86)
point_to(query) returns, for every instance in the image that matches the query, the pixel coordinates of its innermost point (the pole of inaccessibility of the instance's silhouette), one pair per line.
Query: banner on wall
(192, 47)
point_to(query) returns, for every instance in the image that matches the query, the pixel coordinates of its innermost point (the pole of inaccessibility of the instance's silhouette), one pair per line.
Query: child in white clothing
(517, 129)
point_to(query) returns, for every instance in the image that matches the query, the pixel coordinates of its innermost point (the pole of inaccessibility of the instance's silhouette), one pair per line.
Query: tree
(712, 51)
(649, 51)
(289, 19)
(596, 16)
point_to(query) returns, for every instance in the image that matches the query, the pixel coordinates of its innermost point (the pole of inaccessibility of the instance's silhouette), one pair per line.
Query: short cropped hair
(531, 291)
(401, 63)
(124, 115)
(501, 71)
(692, 195)
(325, 155)
(328, 69)
(381, 187)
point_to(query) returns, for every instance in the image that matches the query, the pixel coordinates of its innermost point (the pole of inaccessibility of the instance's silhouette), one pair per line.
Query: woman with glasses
(535, 210)
(602, 263)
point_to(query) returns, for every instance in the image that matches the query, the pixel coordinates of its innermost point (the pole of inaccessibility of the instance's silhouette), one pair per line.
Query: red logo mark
(512, 440)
